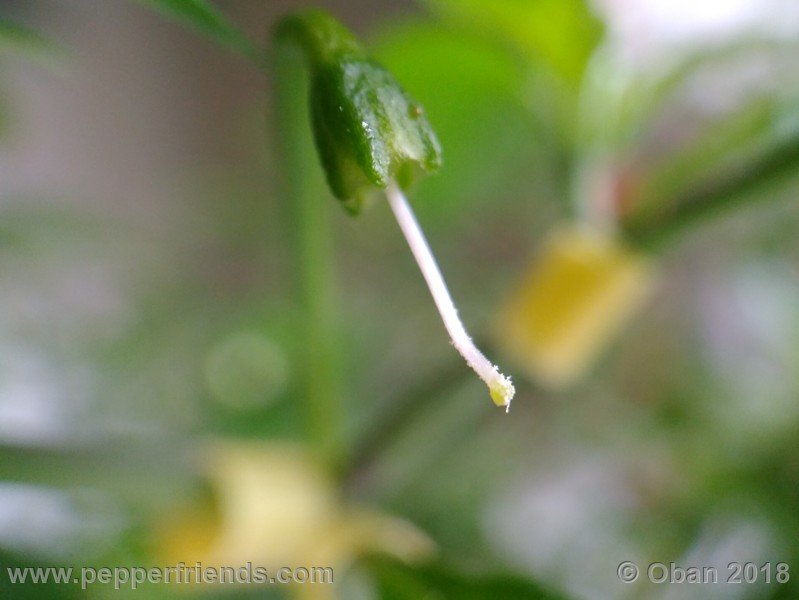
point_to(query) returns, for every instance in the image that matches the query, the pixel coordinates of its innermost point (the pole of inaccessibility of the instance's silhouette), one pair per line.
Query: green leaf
(552, 40)
(632, 109)
(474, 94)
(367, 129)
(398, 581)
(205, 18)
(560, 34)
(28, 43)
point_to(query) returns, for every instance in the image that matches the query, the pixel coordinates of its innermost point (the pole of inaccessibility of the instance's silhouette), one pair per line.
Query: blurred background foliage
(196, 365)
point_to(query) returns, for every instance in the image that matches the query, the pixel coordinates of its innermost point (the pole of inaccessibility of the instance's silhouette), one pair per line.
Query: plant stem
(499, 386)
(308, 221)
(402, 410)
(735, 189)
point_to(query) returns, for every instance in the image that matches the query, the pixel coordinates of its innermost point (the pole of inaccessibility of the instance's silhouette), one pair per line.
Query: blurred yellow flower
(585, 285)
(277, 508)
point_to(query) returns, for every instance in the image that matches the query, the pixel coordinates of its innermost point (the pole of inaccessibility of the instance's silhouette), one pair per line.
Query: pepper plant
(579, 202)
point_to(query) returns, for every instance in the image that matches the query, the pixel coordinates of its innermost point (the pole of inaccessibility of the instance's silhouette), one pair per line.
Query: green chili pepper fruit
(367, 129)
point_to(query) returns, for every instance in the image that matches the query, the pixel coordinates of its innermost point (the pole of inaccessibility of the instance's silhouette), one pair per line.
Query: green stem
(402, 412)
(308, 206)
(404, 409)
(717, 196)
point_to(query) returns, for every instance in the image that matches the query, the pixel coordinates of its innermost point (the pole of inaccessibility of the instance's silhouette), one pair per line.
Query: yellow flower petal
(578, 294)
(273, 499)
(276, 508)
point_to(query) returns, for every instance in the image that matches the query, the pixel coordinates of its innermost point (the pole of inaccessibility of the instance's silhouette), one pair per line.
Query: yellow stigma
(502, 391)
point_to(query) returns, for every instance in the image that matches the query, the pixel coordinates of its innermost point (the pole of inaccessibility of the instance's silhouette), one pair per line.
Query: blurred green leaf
(552, 40)
(743, 181)
(32, 226)
(472, 93)
(560, 34)
(26, 42)
(632, 115)
(205, 18)
(619, 104)
(715, 146)
(399, 581)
